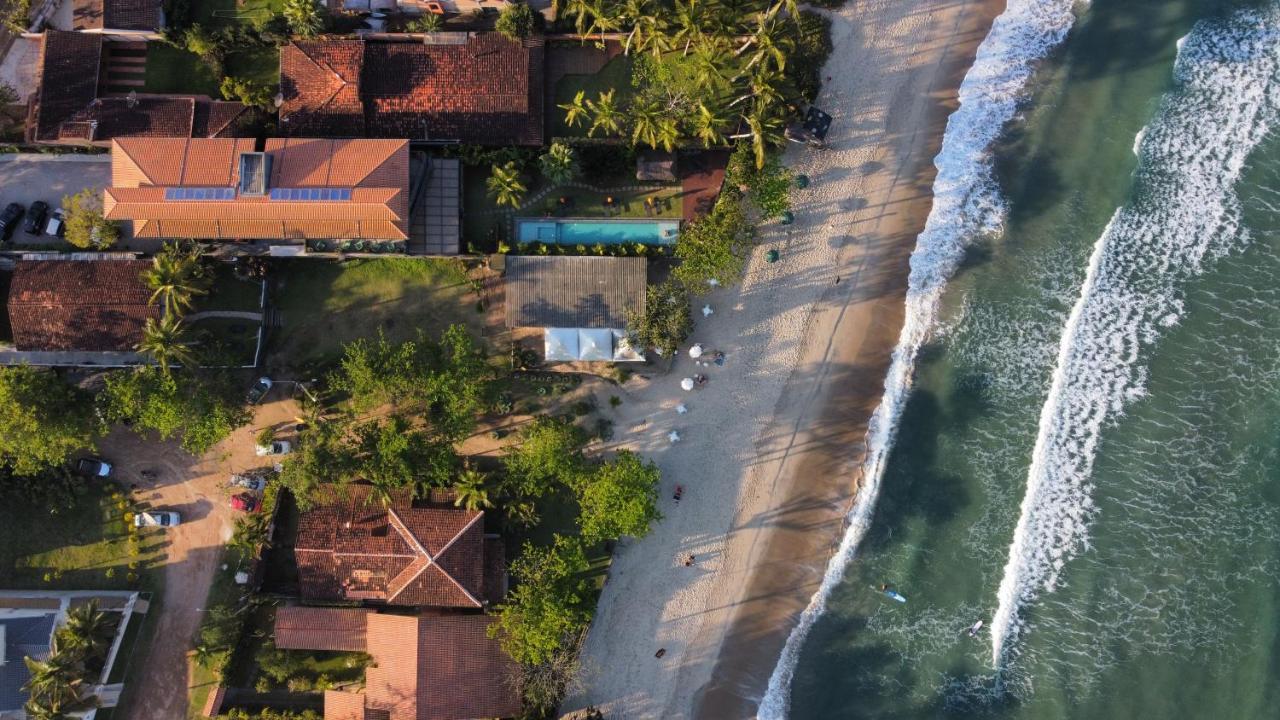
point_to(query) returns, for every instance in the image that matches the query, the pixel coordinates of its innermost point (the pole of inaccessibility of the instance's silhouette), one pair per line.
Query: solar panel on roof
(199, 193)
(310, 194)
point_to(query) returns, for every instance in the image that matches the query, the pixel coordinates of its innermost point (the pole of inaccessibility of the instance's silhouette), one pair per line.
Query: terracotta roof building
(424, 668)
(137, 15)
(477, 88)
(79, 305)
(286, 189)
(68, 107)
(308, 628)
(417, 555)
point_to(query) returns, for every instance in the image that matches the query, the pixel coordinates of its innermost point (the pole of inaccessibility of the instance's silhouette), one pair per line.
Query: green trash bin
(771, 256)
(802, 181)
(788, 217)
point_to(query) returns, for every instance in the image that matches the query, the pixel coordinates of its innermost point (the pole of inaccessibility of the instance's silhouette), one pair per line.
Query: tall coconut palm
(176, 277)
(36, 710)
(690, 24)
(765, 128)
(87, 630)
(576, 111)
(711, 62)
(504, 184)
(770, 42)
(472, 490)
(166, 343)
(605, 114)
(648, 26)
(709, 123)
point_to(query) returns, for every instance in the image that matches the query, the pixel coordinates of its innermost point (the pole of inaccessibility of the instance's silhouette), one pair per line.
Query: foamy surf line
(1184, 211)
(966, 204)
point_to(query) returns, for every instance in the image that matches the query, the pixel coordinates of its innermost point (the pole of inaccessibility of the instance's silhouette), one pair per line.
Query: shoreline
(770, 476)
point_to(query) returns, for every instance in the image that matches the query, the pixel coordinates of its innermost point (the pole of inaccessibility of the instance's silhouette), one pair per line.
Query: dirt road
(197, 489)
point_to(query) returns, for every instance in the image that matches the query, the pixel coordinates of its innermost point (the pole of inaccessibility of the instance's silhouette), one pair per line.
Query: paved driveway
(27, 177)
(197, 489)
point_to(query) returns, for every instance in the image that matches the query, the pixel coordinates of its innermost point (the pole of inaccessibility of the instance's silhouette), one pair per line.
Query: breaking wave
(966, 204)
(1184, 211)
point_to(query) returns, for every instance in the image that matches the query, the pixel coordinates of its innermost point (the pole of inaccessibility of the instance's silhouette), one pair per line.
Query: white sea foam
(1183, 212)
(966, 204)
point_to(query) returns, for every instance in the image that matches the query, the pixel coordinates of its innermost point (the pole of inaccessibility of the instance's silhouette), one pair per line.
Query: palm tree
(176, 277)
(771, 41)
(645, 117)
(303, 17)
(166, 342)
(558, 164)
(53, 682)
(521, 514)
(87, 630)
(472, 490)
(691, 21)
(428, 23)
(765, 128)
(505, 186)
(40, 711)
(605, 114)
(648, 26)
(709, 124)
(711, 64)
(575, 112)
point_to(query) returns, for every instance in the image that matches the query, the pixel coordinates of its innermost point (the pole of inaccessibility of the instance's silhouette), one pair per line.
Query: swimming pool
(591, 232)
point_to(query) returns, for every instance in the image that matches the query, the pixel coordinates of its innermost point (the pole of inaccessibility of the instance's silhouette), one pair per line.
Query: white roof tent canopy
(588, 344)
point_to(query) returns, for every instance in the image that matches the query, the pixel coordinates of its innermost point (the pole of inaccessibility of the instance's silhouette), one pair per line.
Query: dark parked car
(36, 214)
(94, 467)
(9, 220)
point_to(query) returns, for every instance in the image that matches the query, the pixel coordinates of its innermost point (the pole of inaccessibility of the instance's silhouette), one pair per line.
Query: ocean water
(1080, 441)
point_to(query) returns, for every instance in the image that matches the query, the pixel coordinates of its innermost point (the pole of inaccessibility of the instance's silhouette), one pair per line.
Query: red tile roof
(430, 668)
(68, 108)
(473, 87)
(355, 549)
(116, 14)
(306, 628)
(374, 172)
(86, 305)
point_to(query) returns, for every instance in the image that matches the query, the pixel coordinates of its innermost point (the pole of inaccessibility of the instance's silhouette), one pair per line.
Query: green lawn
(228, 341)
(170, 70)
(616, 75)
(324, 305)
(85, 547)
(216, 13)
(230, 292)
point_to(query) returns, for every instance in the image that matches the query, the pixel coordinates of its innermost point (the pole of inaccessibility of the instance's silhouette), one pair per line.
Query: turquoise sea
(1081, 445)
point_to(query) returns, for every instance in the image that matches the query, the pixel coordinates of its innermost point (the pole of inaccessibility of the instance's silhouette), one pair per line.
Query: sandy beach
(770, 450)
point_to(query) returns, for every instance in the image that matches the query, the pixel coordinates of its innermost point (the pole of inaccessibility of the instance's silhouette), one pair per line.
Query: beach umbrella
(681, 409)
(695, 351)
(673, 436)
(686, 384)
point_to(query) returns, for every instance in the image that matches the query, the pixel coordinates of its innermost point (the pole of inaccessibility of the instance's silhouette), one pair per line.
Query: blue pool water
(591, 232)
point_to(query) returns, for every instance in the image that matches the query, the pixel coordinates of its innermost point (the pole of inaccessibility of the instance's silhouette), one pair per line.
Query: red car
(244, 502)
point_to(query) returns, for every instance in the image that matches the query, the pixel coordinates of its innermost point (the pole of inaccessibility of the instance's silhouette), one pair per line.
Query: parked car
(9, 220)
(244, 502)
(57, 223)
(249, 482)
(277, 447)
(259, 391)
(36, 214)
(157, 518)
(94, 467)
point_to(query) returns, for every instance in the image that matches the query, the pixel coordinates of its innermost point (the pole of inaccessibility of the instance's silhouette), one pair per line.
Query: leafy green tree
(619, 498)
(504, 185)
(558, 164)
(768, 187)
(207, 46)
(85, 226)
(166, 343)
(202, 409)
(305, 17)
(550, 452)
(43, 420)
(714, 246)
(17, 15)
(250, 92)
(516, 21)
(250, 533)
(472, 490)
(390, 454)
(551, 601)
(666, 321)
(176, 277)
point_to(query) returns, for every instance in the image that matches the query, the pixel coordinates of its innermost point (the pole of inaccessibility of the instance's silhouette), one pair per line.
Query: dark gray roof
(23, 637)
(573, 292)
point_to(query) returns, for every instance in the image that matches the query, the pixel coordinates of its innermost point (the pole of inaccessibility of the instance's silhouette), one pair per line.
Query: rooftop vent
(255, 168)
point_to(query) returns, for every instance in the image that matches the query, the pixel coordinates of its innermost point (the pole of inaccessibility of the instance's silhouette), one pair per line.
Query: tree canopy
(43, 420)
(201, 409)
(618, 498)
(666, 321)
(715, 246)
(85, 226)
(550, 603)
(550, 452)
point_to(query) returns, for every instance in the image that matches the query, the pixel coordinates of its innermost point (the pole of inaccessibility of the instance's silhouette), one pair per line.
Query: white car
(277, 447)
(157, 518)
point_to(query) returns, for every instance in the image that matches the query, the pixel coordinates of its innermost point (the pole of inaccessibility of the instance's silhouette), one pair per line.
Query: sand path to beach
(770, 449)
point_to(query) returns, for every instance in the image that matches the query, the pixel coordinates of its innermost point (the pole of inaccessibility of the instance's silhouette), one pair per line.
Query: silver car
(249, 482)
(157, 518)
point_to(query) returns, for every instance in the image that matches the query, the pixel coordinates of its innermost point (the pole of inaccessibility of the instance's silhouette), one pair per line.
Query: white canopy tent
(588, 344)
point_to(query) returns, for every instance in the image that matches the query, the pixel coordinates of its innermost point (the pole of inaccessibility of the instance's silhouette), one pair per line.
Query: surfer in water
(888, 591)
(974, 629)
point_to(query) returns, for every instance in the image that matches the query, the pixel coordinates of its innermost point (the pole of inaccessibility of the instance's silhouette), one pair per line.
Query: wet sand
(771, 477)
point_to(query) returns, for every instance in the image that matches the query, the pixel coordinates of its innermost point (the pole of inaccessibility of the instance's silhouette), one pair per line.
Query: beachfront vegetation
(43, 420)
(704, 71)
(85, 226)
(666, 321)
(715, 246)
(551, 602)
